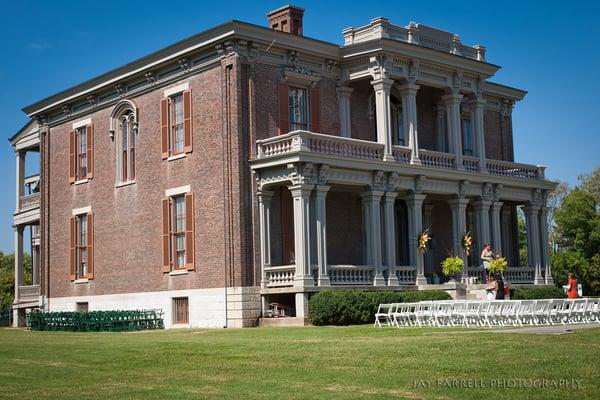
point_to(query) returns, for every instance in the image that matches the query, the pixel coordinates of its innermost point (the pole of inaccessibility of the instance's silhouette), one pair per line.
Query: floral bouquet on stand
(423, 240)
(497, 265)
(467, 243)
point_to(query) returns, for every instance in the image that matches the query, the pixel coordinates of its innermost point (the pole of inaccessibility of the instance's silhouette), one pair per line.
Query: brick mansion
(250, 165)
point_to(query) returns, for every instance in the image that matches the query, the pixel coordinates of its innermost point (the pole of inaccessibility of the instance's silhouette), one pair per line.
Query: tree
(7, 278)
(578, 224)
(522, 232)
(591, 183)
(555, 199)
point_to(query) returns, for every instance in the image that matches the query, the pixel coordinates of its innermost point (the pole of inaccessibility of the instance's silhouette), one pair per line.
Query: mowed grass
(358, 362)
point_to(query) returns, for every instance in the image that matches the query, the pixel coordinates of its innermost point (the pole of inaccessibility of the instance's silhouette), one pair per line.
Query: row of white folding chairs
(489, 313)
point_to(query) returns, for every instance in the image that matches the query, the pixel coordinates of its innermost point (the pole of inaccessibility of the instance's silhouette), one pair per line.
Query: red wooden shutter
(164, 128)
(90, 151)
(189, 231)
(187, 121)
(166, 254)
(315, 107)
(90, 246)
(284, 119)
(72, 248)
(72, 158)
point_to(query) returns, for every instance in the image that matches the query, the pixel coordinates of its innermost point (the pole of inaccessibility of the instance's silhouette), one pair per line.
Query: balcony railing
(351, 274)
(515, 275)
(29, 201)
(29, 293)
(407, 275)
(308, 142)
(280, 276)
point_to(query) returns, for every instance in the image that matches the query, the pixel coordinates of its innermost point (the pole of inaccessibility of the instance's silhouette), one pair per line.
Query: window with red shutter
(189, 231)
(176, 124)
(187, 121)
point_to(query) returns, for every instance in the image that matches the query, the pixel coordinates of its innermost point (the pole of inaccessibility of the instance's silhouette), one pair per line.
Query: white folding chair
(578, 311)
(556, 311)
(383, 314)
(424, 313)
(459, 310)
(510, 309)
(442, 313)
(526, 312)
(591, 310)
(540, 315)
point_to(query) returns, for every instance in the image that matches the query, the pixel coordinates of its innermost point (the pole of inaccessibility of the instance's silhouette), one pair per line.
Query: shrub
(346, 307)
(537, 293)
(452, 266)
(497, 265)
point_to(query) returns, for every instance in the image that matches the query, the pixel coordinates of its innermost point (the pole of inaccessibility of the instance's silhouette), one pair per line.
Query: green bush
(452, 266)
(114, 321)
(537, 293)
(348, 307)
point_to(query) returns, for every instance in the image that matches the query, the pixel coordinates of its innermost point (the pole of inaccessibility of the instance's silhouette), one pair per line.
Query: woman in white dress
(491, 288)
(487, 255)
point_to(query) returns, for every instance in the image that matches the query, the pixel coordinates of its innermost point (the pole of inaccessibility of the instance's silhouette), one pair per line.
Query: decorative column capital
(390, 197)
(497, 206)
(531, 209)
(370, 196)
(301, 190)
(408, 89)
(460, 202)
(344, 91)
(321, 190)
(265, 195)
(384, 84)
(452, 98)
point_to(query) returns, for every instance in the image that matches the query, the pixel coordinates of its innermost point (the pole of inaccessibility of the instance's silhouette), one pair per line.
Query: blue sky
(548, 48)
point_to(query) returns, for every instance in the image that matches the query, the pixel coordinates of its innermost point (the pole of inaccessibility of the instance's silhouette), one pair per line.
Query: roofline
(504, 91)
(199, 40)
(13, 139)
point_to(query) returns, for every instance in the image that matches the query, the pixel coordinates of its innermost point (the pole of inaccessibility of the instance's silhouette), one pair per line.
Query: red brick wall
(363, 124)
(127, 225)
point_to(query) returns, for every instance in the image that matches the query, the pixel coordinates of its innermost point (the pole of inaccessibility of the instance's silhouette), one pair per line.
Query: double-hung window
(178, 232)
(176, 124)
(126, 154)
(400, 127)
(82, 242)
(467, 137)
(81, 142)
(298, 109)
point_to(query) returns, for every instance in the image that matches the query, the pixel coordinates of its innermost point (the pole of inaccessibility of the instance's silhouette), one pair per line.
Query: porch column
(506, 236)
(459, 225)
(545, 257)
(452, 102)
(414, 207)
(18, 270)
(409, 108)
(20, 177)
(533, 241)
(35, 265)
(440, 126)
(390, 236)
(321, 217)
(427, 212)
(301, 200)
(497, 228)
(478, 110)
(264, 215)
(344, 93)
(382, 88)
(482, 225)
(371, 203)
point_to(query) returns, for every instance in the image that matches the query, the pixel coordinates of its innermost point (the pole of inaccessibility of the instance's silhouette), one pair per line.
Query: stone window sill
(80, 182)
(179, 272)
(121, 184)
(176, 157)
(82, 280)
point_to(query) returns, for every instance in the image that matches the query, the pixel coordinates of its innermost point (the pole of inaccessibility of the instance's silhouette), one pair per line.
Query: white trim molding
(82, 210)
(178, 190)
(176, 89)
(83, 122)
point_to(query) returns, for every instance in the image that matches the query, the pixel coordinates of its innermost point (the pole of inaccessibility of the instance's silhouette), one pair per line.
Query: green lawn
(295, 363)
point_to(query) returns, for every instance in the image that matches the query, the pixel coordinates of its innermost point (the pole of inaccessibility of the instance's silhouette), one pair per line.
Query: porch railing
(29, 292)
(436, 159)
(471, 163)
(280, 276)
(407, 275)
(515, 170)
(401, 154)
(517, 275)
(351, 274)
(29, 201)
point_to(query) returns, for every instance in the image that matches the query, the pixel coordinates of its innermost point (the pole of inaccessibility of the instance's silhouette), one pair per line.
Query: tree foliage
(7, 278)
(591, 184)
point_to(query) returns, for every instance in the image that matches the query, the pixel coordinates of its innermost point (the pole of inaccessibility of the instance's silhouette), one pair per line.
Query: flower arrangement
(467, 243)
(423, 240)
(452, 265)
(497, 265)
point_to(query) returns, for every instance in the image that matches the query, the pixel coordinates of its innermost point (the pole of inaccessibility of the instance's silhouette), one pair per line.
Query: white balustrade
(351, 274)
(515, 170)
(436, 159)
(29, 201)
(407, 275)
(471, 163)
(280, 276)
(401, 154)
(30, 292)
(515, 275)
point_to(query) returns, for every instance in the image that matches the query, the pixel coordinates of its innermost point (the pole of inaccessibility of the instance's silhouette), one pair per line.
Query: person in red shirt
(571, 287)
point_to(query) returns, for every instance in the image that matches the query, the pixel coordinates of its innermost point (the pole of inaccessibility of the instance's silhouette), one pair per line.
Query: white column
(497, 228)
(264, 215)
(18, 269)
(482, 225)
(458, 207)
(321, 217)
(344, 93)
(390, 236)
(452, 102)
(533, 241)
(479, 107)
(382, 88)
(414, 207)
(427, 213)
(35, 265)
(301, 201)
(507, 242)
(545, 259)
(440, 126)
(409, 109)
(20, 177)
(371, 203)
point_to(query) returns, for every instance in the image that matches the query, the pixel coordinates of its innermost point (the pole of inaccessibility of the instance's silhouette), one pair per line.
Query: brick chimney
(287, 19)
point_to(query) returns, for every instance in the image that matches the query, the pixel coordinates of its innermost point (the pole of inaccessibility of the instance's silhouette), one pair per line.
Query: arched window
(124, 128)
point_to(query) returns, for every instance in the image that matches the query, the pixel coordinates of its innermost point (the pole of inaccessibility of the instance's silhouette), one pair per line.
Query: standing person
(490, 289)
(487, 255)
(499, 287)
(571, 287)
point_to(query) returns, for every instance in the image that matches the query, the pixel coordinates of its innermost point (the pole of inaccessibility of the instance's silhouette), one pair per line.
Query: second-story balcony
(305, 142)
